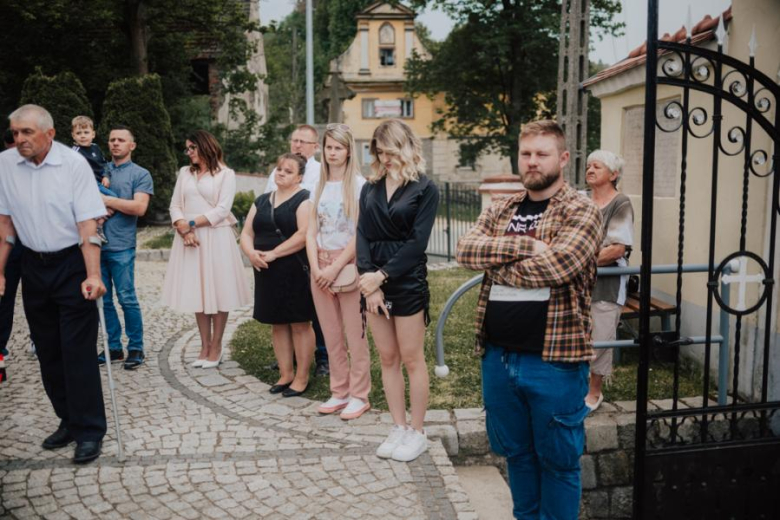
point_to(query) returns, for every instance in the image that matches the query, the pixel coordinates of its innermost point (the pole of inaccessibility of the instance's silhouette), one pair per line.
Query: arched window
(387, 45)
(387, 34)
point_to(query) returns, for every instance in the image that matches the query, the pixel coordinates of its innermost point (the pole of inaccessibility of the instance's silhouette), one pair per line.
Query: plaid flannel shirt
(571, 226)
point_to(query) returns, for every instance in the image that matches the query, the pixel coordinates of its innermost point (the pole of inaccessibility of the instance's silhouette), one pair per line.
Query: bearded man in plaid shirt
(538, 249)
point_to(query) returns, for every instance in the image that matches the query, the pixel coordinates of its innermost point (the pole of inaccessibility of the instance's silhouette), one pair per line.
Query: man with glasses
(304, 141)
(134, 187)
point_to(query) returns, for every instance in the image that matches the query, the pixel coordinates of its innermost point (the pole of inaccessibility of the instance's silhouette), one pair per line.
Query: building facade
(621, 91)
(367, 82)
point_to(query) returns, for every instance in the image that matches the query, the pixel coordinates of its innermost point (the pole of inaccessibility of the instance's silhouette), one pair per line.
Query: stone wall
(607, 464)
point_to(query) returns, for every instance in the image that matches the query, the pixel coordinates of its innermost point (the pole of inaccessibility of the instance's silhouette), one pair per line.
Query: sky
(672, 15)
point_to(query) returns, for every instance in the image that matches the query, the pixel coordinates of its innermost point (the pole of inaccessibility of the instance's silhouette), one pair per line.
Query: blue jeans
(118, 270)
(535, 418)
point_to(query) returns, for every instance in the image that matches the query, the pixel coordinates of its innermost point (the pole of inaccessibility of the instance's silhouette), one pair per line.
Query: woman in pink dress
(205, 273)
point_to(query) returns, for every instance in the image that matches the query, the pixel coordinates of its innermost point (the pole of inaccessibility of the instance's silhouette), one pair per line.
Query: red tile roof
(702, 31)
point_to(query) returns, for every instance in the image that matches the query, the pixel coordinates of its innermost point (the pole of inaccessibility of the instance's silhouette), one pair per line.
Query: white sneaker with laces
(355, 409)
(332, 405)
(412, 446)
(386, 449)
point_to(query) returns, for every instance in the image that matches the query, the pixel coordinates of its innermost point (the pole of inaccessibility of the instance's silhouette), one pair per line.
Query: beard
(540, 180)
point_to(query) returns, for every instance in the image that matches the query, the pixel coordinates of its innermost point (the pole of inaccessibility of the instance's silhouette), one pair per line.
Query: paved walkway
(207, 444)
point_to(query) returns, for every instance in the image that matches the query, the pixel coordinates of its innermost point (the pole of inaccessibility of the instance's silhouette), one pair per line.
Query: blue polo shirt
(126, 180)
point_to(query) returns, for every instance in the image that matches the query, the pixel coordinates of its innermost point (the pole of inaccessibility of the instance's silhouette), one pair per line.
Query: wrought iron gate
(701, 459)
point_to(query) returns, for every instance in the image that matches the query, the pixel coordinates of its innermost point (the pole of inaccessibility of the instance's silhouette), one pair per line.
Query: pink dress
(208, 278)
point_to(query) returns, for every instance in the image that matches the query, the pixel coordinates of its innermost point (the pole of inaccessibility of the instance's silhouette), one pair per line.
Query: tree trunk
(137, 33)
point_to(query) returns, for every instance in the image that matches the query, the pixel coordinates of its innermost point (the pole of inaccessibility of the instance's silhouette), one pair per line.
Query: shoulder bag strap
(281, 235)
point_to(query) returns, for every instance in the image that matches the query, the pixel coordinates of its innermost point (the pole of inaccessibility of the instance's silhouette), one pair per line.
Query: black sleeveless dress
(282, 292)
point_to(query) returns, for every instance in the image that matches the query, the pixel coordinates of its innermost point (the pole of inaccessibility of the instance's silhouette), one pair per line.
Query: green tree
(506, 53)
(335, 25)
(138, 104)
(594, 112)
(62, 95)
(102, 40)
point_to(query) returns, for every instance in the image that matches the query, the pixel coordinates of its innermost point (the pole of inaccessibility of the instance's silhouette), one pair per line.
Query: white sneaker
(412, 446)
(332, 405)
(386, 449)
(355, 409)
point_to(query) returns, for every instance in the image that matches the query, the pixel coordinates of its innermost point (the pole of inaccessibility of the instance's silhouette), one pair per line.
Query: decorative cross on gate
(742, 278)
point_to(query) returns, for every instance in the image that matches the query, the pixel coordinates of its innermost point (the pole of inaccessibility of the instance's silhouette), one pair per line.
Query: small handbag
(347, 280)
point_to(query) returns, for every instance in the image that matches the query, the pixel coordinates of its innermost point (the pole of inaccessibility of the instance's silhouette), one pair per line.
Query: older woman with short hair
(603, 172)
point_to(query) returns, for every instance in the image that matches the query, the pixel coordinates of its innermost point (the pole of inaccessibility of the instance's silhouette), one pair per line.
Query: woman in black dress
(397, 211)
(273, 238)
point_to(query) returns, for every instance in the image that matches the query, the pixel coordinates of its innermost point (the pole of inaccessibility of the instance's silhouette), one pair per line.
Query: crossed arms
(522, 261)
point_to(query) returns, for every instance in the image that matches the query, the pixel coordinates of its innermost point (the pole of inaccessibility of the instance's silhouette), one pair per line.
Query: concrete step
(487, 490)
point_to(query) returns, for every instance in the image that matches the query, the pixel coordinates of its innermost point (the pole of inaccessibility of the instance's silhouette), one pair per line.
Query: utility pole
(309, 64)
(573, 65)
(294, 82)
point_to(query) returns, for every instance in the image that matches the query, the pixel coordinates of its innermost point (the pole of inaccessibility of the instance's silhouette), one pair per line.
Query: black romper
(393, 236)
(282, 292)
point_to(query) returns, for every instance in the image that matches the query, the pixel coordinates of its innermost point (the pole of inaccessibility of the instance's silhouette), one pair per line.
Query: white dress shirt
(48, 200)
(310, 177)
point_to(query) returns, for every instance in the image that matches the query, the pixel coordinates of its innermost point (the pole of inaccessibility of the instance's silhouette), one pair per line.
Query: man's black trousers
(64, 326)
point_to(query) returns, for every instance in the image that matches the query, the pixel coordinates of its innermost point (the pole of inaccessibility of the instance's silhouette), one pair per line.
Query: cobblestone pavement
(207, 444)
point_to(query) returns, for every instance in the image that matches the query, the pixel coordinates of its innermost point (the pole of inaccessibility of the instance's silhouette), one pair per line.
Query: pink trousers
(339, 316)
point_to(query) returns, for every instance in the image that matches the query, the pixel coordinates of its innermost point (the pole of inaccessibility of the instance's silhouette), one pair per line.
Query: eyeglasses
(338, 126)
(191, 148)
(301, 141)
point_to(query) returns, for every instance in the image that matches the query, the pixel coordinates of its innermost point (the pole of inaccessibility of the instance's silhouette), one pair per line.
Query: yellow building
(621, 91)
(372, 68)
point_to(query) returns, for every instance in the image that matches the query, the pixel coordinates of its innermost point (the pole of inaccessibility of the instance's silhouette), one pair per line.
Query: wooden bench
(658, 308)
(630, 311)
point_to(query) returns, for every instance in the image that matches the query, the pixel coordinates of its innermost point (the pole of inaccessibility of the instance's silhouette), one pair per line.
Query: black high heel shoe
(289, 392)
(279, 389)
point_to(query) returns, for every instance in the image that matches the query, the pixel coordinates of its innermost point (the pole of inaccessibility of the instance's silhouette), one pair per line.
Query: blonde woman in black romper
(397, 211)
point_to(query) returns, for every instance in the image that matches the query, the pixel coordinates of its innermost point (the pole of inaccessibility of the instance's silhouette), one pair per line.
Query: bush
(252, 146)
(187, 115)
(62, 95)
(242, 203)
(137, 103)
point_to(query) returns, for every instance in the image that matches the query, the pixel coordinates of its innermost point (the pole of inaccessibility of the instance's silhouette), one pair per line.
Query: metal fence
(459, 206)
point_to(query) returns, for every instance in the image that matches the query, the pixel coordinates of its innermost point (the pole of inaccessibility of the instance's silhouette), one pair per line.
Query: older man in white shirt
(48, 196)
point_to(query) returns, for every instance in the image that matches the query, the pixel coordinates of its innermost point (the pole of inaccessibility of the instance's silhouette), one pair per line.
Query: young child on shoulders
(83, 133)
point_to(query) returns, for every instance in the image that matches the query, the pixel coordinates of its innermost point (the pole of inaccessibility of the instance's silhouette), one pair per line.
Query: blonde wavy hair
(342, 134)
(397, 139)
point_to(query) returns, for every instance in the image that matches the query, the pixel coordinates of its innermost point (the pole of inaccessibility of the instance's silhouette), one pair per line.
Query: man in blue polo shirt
(134, 188)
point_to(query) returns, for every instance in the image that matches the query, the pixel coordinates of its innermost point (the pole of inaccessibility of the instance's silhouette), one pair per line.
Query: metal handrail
(442, 370)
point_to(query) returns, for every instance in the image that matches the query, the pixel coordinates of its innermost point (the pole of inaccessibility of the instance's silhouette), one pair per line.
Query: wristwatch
(192, 225)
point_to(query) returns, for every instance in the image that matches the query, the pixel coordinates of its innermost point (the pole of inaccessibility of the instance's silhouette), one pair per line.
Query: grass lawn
(251, 347)
(162, 241)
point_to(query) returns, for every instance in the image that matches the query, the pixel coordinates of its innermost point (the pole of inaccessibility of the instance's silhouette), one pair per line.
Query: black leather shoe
(135, 358)
(116, 355)
(322, 369)
(278, 389)
(58, 439)
(86, 451)
(294, 393)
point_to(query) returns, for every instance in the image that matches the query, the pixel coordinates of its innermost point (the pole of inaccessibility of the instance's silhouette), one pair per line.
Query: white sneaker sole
(408, 457)
(326, 410)
(354, 415)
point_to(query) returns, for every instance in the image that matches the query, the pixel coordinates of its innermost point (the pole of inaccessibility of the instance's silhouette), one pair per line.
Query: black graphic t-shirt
(516, 317)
